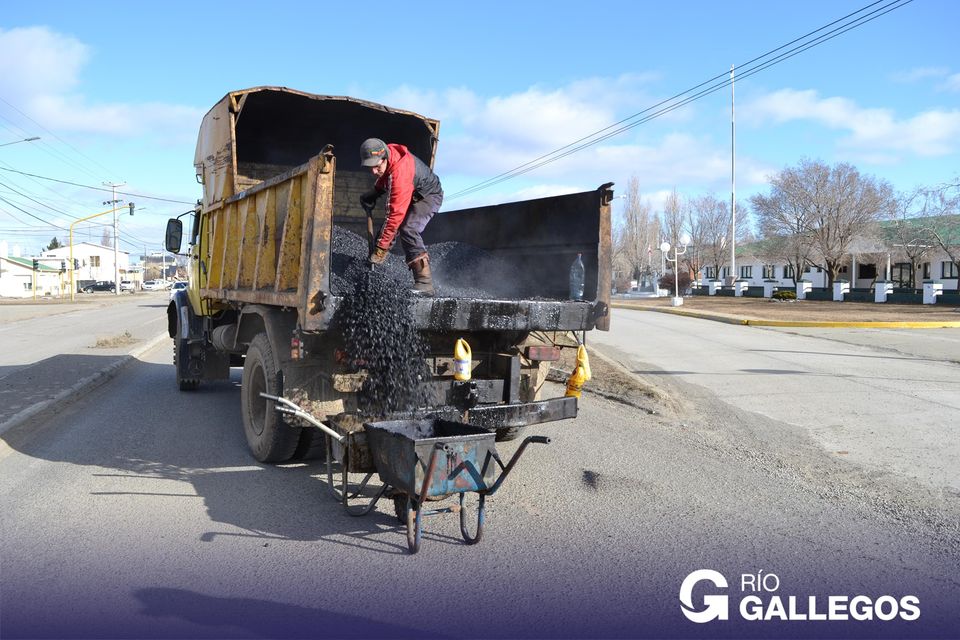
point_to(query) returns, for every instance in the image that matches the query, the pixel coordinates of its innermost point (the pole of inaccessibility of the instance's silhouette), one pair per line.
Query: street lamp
(665, 249)
(19, 141)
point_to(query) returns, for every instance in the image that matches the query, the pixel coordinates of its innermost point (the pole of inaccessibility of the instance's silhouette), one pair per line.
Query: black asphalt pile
(349, 258)
(459, 270)
(379, 336)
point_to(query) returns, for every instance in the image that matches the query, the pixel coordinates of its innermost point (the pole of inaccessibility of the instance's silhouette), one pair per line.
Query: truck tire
(269, 437)
(180, 348)
(311, 446)
(508, 433)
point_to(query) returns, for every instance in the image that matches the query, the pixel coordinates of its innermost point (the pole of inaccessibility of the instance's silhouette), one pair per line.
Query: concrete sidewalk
(34, 390)
(68, 363)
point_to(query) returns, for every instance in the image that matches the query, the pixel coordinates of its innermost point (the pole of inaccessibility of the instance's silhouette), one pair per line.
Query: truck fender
(277, 323)
(179, 308)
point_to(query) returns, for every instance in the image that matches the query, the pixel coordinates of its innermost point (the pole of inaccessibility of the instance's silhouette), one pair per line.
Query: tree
(821, 209)
(942, 204)
(713, 230)
(638, 235)
(911, 234)
(54, 244)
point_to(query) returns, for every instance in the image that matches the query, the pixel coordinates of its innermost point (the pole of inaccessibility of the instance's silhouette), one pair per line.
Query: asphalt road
(885, 399)
(34, 332)
(137, 512)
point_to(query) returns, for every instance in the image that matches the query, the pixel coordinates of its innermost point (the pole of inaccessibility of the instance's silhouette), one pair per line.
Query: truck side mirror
(174, 235)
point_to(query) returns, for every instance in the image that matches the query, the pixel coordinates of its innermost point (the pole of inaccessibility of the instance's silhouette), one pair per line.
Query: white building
(95, 261)
(19, 280)
(869, 260)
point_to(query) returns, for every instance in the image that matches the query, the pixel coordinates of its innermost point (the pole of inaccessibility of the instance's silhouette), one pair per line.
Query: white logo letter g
(716, 605)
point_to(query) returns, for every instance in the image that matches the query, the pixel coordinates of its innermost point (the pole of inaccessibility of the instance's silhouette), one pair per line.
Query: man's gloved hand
(369, 200)
(379, 255)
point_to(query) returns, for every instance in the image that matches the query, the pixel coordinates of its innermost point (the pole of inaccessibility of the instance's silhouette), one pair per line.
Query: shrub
(785, 294)
(683, 281)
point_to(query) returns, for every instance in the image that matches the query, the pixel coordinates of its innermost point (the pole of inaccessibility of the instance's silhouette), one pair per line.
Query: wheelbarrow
(419, 460)
(435, 458)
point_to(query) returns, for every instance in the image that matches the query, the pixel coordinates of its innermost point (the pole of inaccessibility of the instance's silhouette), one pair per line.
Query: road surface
(137, 512)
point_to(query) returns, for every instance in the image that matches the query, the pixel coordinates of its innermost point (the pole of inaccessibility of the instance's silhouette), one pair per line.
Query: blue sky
(116, 91)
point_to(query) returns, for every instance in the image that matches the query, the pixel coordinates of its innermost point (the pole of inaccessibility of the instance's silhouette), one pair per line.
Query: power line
(660, 109)
(87, 186)
(77, 151)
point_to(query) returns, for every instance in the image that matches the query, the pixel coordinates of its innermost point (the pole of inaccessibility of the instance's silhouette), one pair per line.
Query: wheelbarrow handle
(415, 503)
(513, 460)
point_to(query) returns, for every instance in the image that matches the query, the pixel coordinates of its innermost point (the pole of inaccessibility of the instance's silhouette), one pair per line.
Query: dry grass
(122, 340)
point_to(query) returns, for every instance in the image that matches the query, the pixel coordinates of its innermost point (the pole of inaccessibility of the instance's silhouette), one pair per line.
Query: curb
(86, 384)
(877, 324)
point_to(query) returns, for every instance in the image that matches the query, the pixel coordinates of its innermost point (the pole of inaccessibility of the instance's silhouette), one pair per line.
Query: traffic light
(132, 206)
(36, 264)
(76, 264)
(63, 266)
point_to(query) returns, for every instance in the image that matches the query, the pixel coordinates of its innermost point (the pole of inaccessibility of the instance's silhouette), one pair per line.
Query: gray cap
(372, 151)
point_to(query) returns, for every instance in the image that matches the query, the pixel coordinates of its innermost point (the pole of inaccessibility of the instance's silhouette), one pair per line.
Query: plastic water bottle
(577, 273)
(462, 360)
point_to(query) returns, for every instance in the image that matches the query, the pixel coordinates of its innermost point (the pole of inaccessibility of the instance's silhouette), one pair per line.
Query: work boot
(422, 280)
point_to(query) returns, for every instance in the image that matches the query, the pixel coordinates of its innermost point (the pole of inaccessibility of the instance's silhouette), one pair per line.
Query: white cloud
(40, 74)
(919, 73)
(35, 59)
(870, 131)
(485, 136)
(952, 83)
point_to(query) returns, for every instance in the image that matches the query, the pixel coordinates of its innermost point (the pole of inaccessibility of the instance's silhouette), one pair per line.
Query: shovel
(371, 241)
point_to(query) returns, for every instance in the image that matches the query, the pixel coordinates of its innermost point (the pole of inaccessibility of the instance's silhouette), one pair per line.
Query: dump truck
(281, 172)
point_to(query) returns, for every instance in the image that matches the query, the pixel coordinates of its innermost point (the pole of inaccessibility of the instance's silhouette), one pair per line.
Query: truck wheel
(311, 446)
(180, 350)
(509, 433)
(270, 439)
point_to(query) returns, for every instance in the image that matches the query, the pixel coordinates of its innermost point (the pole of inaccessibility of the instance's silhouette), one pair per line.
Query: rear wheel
(508, 433)
(270, 439)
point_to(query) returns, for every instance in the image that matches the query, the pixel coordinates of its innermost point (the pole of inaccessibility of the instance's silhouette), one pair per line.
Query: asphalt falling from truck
(379, 336)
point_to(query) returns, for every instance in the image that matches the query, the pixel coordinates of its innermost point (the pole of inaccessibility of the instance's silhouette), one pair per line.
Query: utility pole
(116, 252)
(733, 182)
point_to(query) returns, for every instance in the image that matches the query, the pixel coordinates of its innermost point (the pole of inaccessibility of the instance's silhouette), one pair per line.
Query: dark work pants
(418, 215)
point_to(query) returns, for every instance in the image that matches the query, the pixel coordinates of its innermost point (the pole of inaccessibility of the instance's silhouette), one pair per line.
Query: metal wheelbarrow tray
(432, 458)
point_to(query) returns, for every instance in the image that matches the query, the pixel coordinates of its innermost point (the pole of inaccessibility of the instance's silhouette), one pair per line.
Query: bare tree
(911, 233)
(784, 222)
(823, 209)
(696, 251)
(638, 235)
(673, 218)
(713, 215)
(105, 238)
(941, 204)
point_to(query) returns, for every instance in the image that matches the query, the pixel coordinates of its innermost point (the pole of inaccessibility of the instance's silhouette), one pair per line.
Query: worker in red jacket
(414, 196)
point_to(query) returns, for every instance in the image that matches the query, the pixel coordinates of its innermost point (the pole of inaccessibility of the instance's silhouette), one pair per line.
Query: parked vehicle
(261, 247)
(177, 286)
(100, 285)
(154, 285)
(128, 285)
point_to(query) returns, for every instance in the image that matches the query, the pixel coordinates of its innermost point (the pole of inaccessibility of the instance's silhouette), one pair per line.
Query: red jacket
(405, 175)
(398, 181)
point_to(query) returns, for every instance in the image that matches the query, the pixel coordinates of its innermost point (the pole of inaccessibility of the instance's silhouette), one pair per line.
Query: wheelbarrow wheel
(400, 508)
(481, 517)
(414, 520)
